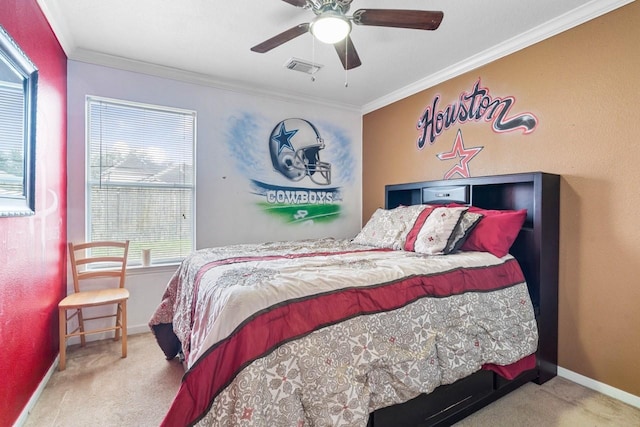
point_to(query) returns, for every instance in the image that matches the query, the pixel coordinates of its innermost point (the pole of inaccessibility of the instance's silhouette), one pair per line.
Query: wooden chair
(99, 263)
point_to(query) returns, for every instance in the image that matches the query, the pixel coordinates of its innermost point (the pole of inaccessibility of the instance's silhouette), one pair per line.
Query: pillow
(433, 230)
(410, 240)
(389, 228)
(463, 230)
(496, 232)
(408, 214)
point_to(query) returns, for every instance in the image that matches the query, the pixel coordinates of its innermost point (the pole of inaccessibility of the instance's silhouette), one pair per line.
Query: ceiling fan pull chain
(313, 57)
(346, 61)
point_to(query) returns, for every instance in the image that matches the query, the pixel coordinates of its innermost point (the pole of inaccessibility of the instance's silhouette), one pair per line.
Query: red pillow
(496, 231)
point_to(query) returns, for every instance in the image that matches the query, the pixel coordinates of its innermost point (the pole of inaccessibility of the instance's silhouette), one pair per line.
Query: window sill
(152, 269)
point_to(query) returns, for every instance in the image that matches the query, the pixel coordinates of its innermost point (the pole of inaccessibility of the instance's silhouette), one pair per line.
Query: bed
(415, 321)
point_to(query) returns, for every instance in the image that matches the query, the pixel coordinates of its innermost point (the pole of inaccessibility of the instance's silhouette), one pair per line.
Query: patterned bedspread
(322, 332)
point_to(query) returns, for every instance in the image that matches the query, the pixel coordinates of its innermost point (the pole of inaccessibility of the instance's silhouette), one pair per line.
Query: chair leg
(123, 319)
(83, 341)
(62, 316)
(118, 322)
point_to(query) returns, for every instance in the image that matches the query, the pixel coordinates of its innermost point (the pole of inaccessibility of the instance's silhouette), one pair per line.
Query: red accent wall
(32, 249)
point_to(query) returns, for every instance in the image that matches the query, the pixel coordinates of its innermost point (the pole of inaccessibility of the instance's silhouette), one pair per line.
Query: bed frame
(536, 249)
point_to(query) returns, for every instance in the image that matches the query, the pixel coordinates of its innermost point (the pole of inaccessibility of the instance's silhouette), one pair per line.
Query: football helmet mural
(295, 146)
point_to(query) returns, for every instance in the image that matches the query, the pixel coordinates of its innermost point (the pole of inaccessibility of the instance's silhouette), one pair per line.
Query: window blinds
(12, 141)
(141, 177)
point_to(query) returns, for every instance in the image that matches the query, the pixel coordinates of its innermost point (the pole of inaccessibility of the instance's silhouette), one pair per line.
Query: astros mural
(475, 105)
(296, 168)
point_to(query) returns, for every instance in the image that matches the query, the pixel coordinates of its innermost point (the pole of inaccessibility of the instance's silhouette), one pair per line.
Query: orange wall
(584, 88)
(32, 249)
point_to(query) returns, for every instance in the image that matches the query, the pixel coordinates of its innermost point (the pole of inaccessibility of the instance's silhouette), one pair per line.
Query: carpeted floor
(98, 388)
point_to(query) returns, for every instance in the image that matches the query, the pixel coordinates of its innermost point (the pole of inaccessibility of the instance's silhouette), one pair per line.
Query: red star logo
(465, 155)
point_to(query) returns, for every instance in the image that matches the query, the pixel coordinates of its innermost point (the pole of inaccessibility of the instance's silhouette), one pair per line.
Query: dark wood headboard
(536, 247)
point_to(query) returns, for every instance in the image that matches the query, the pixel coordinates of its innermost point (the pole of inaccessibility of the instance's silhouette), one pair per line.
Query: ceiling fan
(331, 16)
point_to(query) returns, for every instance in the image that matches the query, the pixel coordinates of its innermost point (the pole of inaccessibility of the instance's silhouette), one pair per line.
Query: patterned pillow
(467, 223)
(434, 230)
(407, 215)
(389, 228)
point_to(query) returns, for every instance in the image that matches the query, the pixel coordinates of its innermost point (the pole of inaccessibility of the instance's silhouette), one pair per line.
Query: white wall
(227, 210)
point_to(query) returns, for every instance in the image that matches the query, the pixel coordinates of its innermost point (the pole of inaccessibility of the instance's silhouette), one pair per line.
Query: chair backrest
(98, 260)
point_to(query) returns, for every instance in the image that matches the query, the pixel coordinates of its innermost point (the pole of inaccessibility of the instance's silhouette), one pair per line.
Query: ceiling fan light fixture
(330, 28)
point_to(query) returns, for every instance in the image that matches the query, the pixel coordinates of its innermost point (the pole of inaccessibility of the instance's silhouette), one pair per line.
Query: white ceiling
(209, 41)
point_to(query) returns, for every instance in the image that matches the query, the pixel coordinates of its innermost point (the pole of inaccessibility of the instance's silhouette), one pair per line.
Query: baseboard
(616, 393)
(138, 329)
(36, 394)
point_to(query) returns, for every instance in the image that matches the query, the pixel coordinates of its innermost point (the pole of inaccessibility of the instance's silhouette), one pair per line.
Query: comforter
(322, 332)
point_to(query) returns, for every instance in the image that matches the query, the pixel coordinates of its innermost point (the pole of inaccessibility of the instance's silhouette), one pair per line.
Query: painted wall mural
(464, 154)
(476, 105)
(296, 168)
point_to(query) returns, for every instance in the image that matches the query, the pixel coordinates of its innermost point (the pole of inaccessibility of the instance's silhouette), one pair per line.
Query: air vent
(308, 67)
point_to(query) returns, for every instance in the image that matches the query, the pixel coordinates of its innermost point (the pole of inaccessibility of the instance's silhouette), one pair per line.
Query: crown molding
(141, 67)
(578, 16)
(56, 21)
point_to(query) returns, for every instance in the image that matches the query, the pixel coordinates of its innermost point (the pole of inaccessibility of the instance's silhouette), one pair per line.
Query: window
(12, 147)
(18, 88)
(141, 178)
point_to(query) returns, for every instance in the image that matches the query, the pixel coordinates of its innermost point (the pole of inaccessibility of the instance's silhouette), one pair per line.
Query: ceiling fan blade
(299, 3)
(281, 38)
(347, 53)
(399, 18)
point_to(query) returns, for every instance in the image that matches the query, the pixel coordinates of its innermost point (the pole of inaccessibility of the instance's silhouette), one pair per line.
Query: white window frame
(135, 254)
